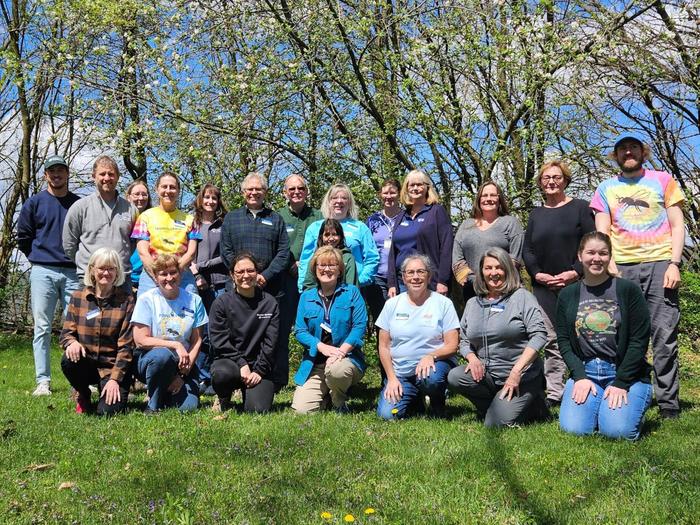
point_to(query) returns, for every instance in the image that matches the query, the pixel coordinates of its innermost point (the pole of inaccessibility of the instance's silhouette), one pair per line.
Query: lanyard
(327, 305)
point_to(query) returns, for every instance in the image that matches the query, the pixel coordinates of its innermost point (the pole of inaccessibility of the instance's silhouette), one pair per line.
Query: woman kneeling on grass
(243, 332)
(418, 340)
(603, 332)
(167, 331)
(502, 331)
(97, 336)
(330, 325)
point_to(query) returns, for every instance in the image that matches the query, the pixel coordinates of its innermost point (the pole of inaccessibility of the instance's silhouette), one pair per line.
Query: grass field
(59, 467)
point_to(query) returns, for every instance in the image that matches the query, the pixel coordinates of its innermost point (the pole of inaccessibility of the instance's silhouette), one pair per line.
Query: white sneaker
(42, 389)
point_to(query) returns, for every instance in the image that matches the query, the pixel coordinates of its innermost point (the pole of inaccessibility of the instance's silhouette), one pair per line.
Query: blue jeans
(434, 386)
(49, 285)
(616, 423)
(157, 368)
(146, 283)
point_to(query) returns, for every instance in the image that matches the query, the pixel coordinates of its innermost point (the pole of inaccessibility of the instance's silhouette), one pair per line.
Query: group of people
(190, 302)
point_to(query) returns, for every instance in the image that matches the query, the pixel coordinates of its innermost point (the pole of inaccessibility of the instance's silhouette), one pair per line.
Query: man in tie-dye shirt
(642, 212)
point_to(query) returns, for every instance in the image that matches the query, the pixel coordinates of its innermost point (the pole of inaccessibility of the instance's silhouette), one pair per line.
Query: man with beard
(642, 212)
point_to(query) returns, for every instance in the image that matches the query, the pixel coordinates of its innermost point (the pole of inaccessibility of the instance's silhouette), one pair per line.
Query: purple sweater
(435, 238)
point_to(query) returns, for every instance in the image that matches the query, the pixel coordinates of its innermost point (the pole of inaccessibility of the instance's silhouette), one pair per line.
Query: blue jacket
(358, 239)
(348, 323)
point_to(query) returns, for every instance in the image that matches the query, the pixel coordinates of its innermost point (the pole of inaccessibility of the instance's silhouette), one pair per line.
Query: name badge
(401, 316)
(387, 244)
(180, 225)
(497, 308)
(404, 223)
(290, 229)
(266, 222)
(187, 311)
(92, 314)
(326, 328)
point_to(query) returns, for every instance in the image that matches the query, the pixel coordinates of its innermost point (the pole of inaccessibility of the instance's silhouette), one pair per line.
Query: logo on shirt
(264, 315)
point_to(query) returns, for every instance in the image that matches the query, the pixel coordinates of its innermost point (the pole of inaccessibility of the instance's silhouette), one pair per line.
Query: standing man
(101, 220)
(52, 277)
(642, 212)
(297, 216)
(257, 229)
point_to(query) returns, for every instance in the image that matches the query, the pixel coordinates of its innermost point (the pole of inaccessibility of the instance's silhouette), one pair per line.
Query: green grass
(284, 469)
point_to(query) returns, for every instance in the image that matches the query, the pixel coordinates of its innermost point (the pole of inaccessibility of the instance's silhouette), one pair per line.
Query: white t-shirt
(416, 330)
(170, 319)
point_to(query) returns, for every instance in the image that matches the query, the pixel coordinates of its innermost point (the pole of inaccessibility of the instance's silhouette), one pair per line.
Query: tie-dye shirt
(640, 229)
(166, 232)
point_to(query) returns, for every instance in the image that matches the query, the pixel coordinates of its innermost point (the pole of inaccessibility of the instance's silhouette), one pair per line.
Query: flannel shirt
(103, 327)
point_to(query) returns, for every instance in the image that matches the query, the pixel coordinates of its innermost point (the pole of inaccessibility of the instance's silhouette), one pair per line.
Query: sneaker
(342, 409)
(669, 413)
(83, 404)
(42, 389)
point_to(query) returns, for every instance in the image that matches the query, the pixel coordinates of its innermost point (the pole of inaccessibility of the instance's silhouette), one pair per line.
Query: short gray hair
(427, 263)
(98, 258)
(512, 279)
(353, 212)
(254, 175)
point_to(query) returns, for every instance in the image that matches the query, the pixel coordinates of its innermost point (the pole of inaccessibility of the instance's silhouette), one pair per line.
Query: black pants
(84, 373)
(226, 377)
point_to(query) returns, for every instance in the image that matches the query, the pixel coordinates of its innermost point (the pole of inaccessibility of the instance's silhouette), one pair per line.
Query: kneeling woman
(418, 340)
(167, 331)
(330, 325)
(603, 332)
(97, 336)
(243, 330)
(502, 331)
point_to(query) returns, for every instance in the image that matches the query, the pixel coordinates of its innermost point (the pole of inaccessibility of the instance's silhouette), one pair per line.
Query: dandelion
(326, 515)
(369, 511)
(394, 411)
(349, 518)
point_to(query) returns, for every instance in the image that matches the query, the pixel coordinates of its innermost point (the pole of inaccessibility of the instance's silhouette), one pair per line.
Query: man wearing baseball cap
(642, 212)
(53, 276)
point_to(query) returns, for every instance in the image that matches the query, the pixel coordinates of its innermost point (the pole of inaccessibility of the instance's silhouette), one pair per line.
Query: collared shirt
(102, 326)
(296, 224)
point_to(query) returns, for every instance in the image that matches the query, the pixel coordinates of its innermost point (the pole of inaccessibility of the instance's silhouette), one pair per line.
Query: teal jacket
(632, 337)
(348, 316)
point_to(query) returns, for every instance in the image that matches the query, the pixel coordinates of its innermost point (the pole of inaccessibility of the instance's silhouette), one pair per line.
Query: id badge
(387, 244)
(497, 308)
(92, 314)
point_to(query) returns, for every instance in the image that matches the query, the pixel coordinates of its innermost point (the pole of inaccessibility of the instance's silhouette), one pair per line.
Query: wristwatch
(679, 264)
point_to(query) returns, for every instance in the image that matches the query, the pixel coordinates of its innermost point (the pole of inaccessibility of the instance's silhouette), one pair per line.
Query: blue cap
(626, 138)
(55, 160)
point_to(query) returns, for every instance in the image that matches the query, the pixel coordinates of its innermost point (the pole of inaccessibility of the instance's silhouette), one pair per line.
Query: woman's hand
(391, 292)
(476, 367)
(425, 366)
(543, 278)
(111, 392)
(442, 289)
(393, 391)
(582, 388)
(75, 351)
(184, 361)
(194, 269)
(250, 379)
(616, 397)
(512, 385)
(326, 349)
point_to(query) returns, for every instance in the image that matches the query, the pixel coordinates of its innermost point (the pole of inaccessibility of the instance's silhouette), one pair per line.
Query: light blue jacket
(348, 316)
(358, 238)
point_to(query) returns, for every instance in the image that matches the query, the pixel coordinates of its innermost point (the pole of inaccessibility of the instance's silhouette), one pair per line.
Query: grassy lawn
(285, 469)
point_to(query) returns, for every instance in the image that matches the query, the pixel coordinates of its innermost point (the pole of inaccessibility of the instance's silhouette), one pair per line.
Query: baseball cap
(55, 160)
(630, 138)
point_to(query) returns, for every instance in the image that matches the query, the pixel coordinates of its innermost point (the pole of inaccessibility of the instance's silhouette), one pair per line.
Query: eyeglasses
(555, 178)
(251, 190)
(412, 273)
(244, 271)
(327, 266)
(416, 184)
(297, 188)
(106, 269)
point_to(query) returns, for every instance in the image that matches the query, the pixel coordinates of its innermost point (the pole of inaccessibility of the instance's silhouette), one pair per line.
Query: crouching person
(331, 323)
(243, 332)
(97, 337)
(167, 324)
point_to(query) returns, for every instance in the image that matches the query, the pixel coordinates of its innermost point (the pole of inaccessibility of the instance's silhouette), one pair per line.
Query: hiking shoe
(83, 404)
(669, 413)
(42, 389)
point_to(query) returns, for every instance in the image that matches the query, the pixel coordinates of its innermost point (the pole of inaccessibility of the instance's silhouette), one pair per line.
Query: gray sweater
(470, 242)
(91, 224)
(499, 331)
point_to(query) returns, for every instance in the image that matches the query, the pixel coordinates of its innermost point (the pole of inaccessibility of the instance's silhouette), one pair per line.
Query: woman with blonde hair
(423, 227)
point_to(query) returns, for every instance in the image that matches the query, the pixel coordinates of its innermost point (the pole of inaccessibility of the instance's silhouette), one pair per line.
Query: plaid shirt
(103, 327)
(265, 236)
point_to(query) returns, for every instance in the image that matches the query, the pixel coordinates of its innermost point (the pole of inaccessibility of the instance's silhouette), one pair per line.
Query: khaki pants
(325, 380)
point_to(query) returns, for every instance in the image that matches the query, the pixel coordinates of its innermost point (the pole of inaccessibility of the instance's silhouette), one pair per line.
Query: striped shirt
(102, 326)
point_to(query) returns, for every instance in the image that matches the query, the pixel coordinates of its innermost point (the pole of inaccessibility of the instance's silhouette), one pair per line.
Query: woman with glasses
(422, 228)
(553, 233)
(418, 338)
(243, 328)
(502, 332)
(490, 226)
(330, 326)
(138, 195)
(97, 337)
